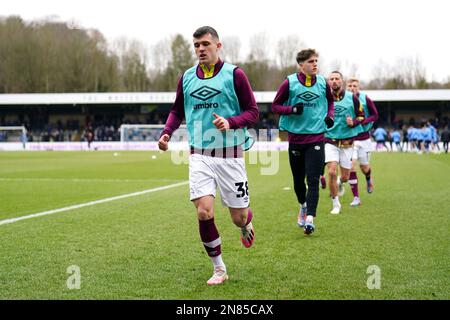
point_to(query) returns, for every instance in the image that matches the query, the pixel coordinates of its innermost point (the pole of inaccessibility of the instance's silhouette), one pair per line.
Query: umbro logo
(205, 93)
(308, 96)
(339, 109)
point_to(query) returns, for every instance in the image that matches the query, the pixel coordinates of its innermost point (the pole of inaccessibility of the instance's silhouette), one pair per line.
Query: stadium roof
(169, 97)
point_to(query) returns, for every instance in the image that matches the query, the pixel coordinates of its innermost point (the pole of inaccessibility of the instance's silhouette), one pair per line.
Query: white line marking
(81, 180)
(92, 203)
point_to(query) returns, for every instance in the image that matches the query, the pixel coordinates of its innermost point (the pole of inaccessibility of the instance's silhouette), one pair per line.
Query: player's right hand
(349, 121)
(221, 123)
(163, 143)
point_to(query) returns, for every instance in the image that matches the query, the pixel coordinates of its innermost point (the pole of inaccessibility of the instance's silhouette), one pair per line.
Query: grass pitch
(148, 246)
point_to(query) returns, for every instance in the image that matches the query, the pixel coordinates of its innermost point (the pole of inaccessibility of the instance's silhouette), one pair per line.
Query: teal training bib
(202, 98)
(314, 98)
(342, 109)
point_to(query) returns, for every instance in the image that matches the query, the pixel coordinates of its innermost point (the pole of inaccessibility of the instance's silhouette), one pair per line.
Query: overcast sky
(351, 31)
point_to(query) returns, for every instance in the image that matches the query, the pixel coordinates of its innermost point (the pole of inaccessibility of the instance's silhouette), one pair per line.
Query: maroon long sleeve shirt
(278, 107)
(373, 116)
(244, 92)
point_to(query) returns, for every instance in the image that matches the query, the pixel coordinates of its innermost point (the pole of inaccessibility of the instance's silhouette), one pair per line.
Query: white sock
(309, 219)
(336, 202)
(218, 262)
(302, 205)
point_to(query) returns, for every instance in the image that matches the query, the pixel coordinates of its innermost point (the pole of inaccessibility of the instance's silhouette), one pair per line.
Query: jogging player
(218, 104)
(349, 114)
(362, 142)
(305, 104)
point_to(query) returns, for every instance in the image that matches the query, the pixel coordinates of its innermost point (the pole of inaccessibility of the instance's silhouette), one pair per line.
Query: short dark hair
(338, 72)
(305, 54)
(205, 30)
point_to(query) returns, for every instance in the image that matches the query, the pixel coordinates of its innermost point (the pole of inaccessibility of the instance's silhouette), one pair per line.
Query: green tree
(49, 56)
(181, 59)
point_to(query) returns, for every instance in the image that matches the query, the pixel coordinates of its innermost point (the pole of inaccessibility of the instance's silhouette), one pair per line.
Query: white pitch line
(92, 203)
(80, 180)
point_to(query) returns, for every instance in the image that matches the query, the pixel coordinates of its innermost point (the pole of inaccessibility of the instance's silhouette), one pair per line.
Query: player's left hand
(329, 121)
(220, 122)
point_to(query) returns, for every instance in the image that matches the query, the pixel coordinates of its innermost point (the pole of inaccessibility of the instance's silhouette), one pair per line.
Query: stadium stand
(65, 117)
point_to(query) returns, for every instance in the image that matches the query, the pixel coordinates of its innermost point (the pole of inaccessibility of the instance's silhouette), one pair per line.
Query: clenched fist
(163, 143)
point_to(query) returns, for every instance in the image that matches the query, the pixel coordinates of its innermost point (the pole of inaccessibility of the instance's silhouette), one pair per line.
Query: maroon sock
(353, 181)
(210, 237)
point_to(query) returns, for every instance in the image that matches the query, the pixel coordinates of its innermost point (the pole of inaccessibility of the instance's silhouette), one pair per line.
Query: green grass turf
(148, 246)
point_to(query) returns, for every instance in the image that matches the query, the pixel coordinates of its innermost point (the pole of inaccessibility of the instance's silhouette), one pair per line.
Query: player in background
(405, 143)
(427, 136)
(445, 138)
(412, 138)
(434, 137)
(305, 104)
(419, 137)
(380, 135)
(217, 101)
(397, 138)
(362, 142)
(89, 135)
